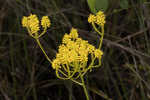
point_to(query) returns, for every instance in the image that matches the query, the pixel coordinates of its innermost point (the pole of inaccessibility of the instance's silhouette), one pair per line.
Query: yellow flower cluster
(32, 23)
(74, 33)
(45, 22)
(74, 50)
(99, 18)
(91, 18)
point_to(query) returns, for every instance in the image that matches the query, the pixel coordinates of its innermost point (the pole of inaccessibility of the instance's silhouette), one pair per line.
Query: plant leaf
(124, 4)
(101, 5)
(91, 4)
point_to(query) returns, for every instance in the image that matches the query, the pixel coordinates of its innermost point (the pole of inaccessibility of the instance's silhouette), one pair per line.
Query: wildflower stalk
(74, 52)
(101, 38)
(76, 82)
(100, 33)
(32, 24)
(38, 42)
(95, 28)
(84, 88)
(44, 31)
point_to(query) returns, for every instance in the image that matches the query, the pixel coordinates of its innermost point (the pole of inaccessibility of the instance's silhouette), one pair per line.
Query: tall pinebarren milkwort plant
(75, 56)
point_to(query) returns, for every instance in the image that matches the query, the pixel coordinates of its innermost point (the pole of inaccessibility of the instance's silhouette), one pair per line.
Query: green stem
(89, 67)
(96, 29)
(76, 82)
(84, 87)
(100, 33)
(37, 40)
(101, 38)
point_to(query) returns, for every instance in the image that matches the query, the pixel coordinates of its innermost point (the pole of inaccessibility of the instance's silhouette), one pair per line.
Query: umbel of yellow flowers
(73, 55)
(99, 19)
(32, 24)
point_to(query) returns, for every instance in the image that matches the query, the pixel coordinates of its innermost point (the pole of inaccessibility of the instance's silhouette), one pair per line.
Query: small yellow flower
(66, 38)
(98, 53)
(73, 55)
(25, 21)
(91, 18)
(74, 33)
(100, 18)
(83, 52)
(56, 64)
(91, 48)
(31, 23)
(45, 22)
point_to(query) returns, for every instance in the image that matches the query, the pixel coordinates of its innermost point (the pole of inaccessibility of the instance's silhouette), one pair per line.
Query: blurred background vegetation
(25, 74)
